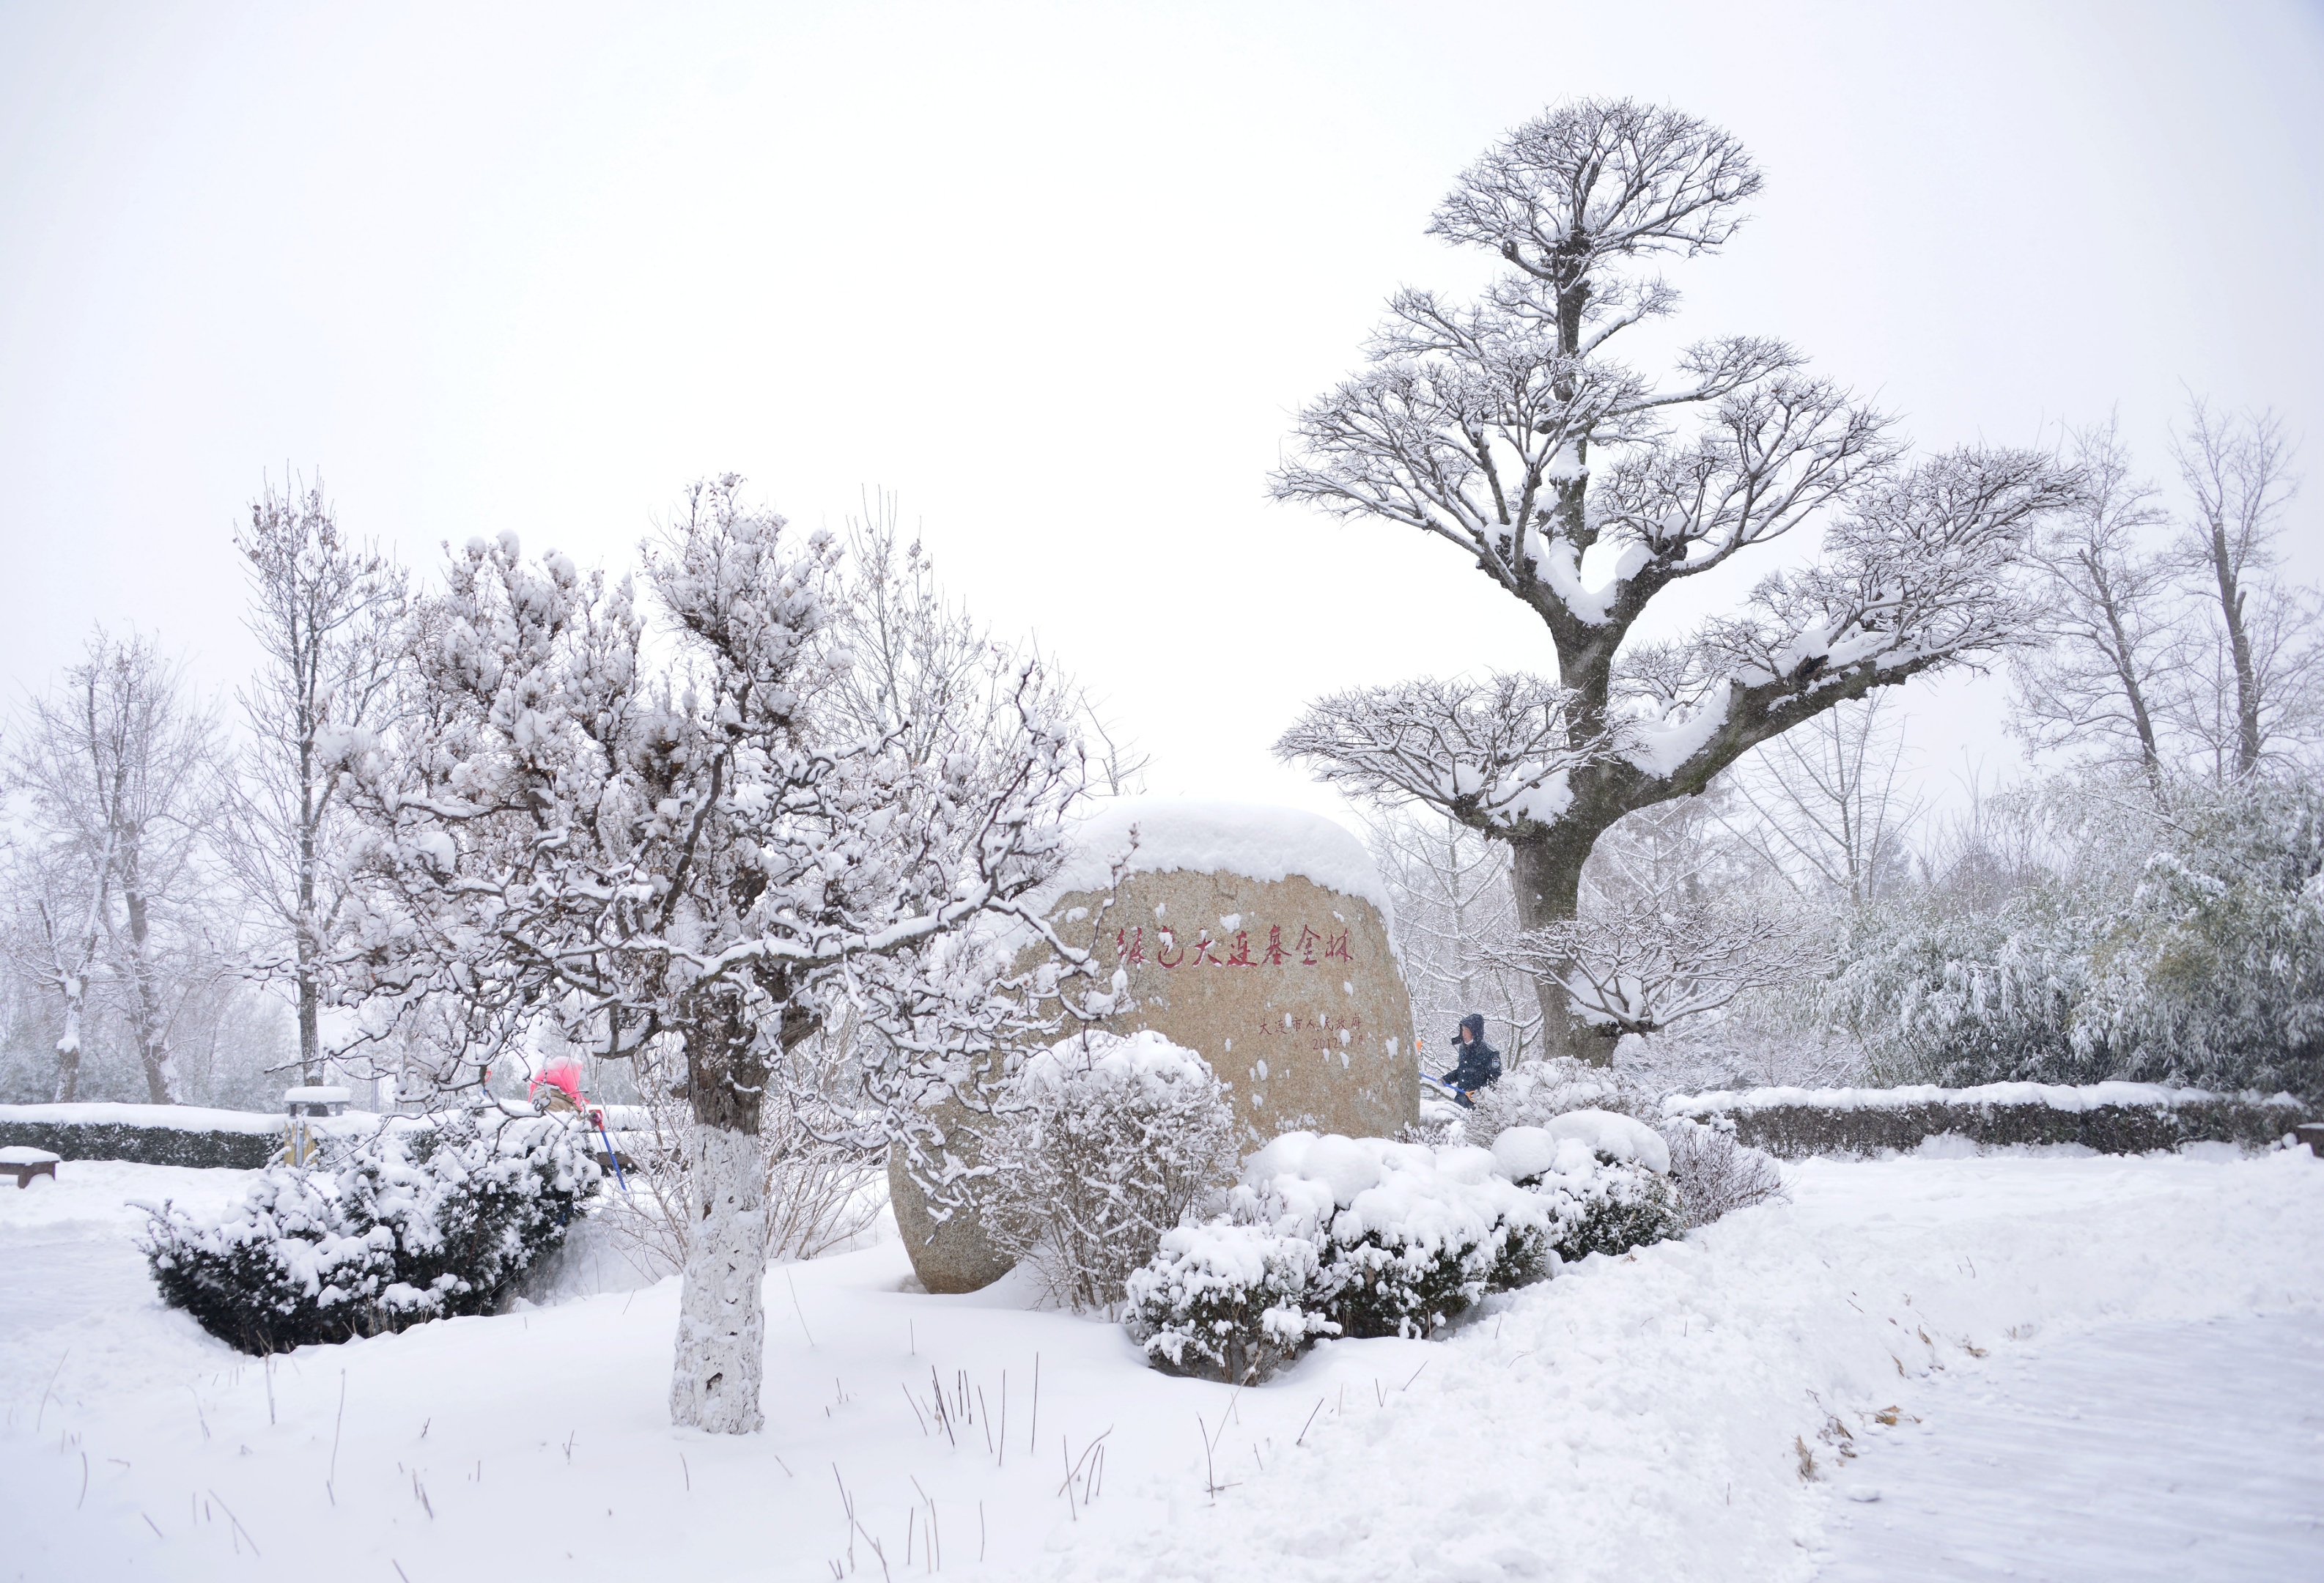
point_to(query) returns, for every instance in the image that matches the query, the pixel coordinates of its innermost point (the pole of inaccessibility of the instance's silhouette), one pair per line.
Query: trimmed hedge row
(145, 1145)
(1797, 1130)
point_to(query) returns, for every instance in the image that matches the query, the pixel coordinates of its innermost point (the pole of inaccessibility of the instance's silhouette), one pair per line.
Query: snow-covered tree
(926, 670)
(1450, 886)
(2253, 686)
(1828, 808)
(325, 609)
(1503, 427)
(2100, 687)
(1658, 963)
(561, 826)
(113, 771)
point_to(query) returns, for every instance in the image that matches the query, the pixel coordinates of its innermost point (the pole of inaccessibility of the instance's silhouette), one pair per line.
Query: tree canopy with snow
(1586, 489)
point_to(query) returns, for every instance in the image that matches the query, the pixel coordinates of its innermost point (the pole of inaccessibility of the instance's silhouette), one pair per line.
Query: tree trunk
(722, 1322)
(1546, 874)
(68, 1042)
(2240, 651)
(153, 1022)
(308, 945)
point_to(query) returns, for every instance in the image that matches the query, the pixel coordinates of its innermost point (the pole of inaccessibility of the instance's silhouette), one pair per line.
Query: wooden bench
(25, 1163)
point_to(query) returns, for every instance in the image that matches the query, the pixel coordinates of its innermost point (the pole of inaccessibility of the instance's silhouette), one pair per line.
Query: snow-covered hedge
(1329, 1235)
(155, 1135)
(2111, 1118)
(1109, 1142)
(409, 1224)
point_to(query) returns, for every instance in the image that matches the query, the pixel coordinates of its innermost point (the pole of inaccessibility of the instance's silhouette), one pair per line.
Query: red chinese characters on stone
(1130, 948)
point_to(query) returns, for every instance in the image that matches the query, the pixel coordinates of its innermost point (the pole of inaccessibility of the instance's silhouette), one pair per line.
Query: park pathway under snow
(2189, 1451)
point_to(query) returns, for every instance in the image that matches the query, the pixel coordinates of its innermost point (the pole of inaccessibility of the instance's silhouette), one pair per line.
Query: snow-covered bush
(1702, 1168)
(1112, 1142)
(1407, 1238)
(1606, 1174)
(1715, 1173)
(410, 1225)
(2215, 975)
(1227, 1303)
(1539, 1092)
(1328, 1235)
(2182, 942)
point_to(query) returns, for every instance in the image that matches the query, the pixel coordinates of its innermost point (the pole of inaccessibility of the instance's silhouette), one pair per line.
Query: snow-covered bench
(26, 1163)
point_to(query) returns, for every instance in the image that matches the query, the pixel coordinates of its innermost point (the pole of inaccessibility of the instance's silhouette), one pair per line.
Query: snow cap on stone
(1251, 839)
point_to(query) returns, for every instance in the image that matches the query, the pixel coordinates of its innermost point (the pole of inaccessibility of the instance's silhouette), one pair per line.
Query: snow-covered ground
(1643, 1417)
(2141, 1449)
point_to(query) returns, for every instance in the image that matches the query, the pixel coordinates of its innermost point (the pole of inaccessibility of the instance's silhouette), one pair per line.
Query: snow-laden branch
(1601, 179)
(1921, 572)
(1492, 754)
(554, 830)
(1646, 968)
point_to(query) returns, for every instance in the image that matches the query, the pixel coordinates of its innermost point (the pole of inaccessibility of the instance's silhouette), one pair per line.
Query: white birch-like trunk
(722, 1322)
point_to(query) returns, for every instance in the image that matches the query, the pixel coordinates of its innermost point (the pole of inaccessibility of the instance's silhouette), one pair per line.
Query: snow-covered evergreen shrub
(2181, 940)
(1703, 1172)
(1954, 996)
(1715, 1173)
(409, 1225)
(1406, 1237)
(1227, 1303)
(1606, 1175)
(1111, 1142)
(2214, 977)
(1367, 1237)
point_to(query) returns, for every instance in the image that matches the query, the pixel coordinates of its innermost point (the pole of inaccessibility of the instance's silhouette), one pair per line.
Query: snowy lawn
(1644, 1417)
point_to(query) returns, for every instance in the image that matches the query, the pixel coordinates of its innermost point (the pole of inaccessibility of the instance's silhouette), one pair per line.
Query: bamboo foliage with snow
(1503, 428)
(560, 828)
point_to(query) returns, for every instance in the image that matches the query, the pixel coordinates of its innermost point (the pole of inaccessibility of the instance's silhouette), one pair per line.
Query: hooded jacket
(1480, 1064)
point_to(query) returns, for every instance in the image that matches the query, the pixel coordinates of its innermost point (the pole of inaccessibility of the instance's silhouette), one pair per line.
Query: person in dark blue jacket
(1480, 1064)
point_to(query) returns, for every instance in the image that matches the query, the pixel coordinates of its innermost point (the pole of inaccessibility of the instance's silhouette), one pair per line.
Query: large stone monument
(1256, 936)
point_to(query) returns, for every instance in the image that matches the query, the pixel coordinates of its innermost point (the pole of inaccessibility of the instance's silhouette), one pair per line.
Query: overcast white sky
(1057, 274)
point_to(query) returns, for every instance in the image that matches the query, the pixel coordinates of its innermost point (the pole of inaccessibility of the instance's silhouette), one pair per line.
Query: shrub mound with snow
(410, 1225)
(1539, 1092)
(1714, 1172)
(1111, 1142)
(1226, 1302)
(1329, 1235)
(1610, 1175)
